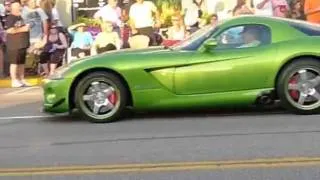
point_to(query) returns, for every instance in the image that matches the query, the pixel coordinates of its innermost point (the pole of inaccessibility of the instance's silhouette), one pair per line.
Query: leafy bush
(88, 21)
(167, 9)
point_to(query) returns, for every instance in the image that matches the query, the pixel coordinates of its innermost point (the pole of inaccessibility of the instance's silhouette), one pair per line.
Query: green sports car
(242, 61)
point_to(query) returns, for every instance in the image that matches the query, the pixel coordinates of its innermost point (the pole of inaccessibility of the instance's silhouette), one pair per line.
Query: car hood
(125, 52)
(129, 58)
(137, 51)
(120, 54)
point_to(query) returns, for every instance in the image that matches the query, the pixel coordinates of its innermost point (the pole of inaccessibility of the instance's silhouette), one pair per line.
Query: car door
(232, 65)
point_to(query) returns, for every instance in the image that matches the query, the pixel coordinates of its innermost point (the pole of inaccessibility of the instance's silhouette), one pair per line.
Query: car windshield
(196, 38)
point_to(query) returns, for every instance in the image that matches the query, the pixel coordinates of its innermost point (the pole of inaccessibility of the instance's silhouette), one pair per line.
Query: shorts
(17, 56)
(109, 47)
(55, 57)
(76, 51)
(147, 31)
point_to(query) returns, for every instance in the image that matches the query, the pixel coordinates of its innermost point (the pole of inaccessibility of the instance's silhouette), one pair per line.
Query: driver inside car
(250, 37)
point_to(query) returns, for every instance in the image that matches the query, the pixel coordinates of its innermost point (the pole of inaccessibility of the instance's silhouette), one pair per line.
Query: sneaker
(25, 83)
(16, 84)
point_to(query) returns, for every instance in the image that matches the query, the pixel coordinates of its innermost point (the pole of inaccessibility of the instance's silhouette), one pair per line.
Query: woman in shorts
(54, 51)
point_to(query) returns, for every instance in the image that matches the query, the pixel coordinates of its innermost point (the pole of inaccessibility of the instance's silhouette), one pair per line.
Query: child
(106, 40)
(177, 31)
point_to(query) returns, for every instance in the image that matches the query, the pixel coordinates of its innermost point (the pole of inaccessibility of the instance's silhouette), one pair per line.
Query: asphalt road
(240, 145)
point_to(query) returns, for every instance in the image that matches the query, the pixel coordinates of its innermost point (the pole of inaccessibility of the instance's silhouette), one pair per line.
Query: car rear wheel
(298, 86)
(101, 97)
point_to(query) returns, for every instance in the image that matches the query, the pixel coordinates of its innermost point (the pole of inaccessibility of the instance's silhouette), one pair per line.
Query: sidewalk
(34, 81)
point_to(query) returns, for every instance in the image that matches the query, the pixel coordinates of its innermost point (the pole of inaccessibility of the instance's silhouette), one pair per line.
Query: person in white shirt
(262, 7)
(110, 13)
(56, 17)
(192, 14)
(210, 6)
(141, 18)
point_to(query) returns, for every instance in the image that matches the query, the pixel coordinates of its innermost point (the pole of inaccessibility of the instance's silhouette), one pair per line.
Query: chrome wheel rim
(101, 99)
(303, 89)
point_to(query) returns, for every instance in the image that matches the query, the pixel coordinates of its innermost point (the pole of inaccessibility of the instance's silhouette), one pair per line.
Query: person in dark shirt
(17, 44)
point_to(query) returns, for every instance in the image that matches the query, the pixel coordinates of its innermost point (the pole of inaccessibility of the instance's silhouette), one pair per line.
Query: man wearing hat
(82, 40)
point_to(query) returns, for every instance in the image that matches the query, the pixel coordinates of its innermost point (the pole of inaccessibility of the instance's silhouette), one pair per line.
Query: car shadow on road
(221, 112)
(180, 114)
(34, 109)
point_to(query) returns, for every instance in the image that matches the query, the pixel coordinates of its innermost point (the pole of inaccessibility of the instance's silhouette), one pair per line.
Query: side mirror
(210, 44)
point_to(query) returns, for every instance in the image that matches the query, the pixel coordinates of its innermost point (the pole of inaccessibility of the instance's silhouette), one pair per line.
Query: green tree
(167, 9)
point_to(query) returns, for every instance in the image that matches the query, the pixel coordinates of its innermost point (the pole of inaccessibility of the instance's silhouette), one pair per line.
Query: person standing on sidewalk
(55, 20)
(280, 8)
(38, 20)
(2, 41)
(262, 7)
(47, 8)
(17, 44)
(110, 13)
(142, 19)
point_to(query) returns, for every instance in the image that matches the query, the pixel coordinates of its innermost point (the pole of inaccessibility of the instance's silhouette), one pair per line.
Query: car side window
(246, 36)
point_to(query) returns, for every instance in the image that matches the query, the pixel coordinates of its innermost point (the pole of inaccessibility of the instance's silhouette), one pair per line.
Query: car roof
(282, 28)
(245, 19)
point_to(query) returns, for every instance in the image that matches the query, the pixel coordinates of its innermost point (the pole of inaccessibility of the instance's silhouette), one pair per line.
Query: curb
(34, 81)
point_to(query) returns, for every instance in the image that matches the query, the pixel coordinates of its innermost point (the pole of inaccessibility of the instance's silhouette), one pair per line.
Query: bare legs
(45, 69)
(17, 75)
(49, 69)
(21, 72)
(52, 68)
(1, 62)
(14, 72)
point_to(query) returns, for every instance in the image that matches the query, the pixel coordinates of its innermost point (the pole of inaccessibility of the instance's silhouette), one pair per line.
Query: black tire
(119, 89)
(287, 100)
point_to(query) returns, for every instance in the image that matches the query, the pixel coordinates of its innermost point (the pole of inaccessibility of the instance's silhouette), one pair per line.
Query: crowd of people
(33, 27)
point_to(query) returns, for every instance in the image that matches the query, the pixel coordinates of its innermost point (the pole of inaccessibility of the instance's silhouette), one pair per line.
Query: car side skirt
(153, 99)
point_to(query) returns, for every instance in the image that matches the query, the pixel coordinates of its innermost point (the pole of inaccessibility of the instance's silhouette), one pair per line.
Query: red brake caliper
(294, 93)
(113, 98)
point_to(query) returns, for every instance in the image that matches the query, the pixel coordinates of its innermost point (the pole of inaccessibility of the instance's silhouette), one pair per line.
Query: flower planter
(94, 30)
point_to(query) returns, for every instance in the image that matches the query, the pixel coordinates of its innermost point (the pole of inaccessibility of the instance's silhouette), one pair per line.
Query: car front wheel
(101, 97)
(299, 86)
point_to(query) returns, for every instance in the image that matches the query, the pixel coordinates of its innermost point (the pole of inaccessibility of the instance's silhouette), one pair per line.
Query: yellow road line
(159, 167)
